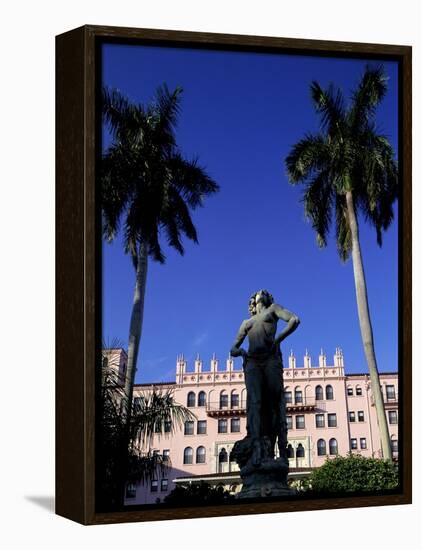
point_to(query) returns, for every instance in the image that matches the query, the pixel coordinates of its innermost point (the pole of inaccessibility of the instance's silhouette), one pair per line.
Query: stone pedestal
(269, 479)
(262, 475)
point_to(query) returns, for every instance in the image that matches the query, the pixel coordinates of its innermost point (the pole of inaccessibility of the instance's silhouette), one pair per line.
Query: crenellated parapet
(216, 373)
(201, 375)
(320, 370)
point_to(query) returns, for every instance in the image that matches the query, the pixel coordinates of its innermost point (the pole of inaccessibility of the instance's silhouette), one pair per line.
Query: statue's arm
(292, 320)
(236, 350)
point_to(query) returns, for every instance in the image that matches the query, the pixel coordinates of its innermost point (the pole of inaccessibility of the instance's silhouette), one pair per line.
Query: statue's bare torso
(261, 331)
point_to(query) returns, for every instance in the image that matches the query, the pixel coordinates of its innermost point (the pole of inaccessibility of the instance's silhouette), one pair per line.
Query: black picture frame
(77, 265)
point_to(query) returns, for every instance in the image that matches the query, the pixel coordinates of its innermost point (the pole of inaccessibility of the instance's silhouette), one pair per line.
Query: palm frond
(318, 199)
(152, 411)
(367, 96)
(191, 180)
(124, 118)
(343, 234)
(330, 105)
(307, 156)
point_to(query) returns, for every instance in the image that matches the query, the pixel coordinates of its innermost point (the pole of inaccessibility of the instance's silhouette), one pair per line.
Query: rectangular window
(361, 416)
(289, 422)
(202, 427)
(363, 442)
(392, 417)
(164, 484)
(320, 421)
(154, 486)
(157, 427)
(155, 452)
(349, 391)
(224, 400)
(394, 445)
(166, 454)
(189, 427)
(358, 390)
(391, 393)
(332, 420)
(222, 426)
(288, 396)
(300, 422)
(235, 425)
(354, 443)
(352, 416)
(167, 426)
(131, 490)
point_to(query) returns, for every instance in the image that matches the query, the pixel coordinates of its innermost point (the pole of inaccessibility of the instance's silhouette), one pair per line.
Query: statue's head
(261, 296)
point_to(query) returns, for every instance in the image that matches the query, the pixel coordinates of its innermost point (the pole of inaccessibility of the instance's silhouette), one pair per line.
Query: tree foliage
(348, 154)
(197, 494)
(146, 182)
(125, 455)
(354, 473)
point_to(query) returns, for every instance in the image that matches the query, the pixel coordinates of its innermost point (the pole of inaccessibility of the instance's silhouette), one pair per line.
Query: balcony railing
(219, 409)
(306, 404)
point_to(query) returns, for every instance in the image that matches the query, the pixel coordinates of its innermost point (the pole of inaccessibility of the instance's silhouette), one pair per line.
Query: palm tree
(349, 167)
(151, 187)
(124, 455)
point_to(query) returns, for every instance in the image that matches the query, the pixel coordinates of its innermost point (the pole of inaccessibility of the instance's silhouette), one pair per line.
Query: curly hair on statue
(252, 303)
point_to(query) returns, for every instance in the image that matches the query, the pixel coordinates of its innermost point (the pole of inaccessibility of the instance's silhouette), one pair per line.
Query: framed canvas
(202, 181)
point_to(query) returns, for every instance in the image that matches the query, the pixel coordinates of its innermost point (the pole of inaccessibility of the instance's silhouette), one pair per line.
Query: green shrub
(354, 473)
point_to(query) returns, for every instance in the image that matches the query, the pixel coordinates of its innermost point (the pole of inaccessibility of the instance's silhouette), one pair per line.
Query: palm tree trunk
(135, 329)
(366, 327)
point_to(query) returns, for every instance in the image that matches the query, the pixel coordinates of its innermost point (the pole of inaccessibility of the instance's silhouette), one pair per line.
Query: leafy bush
(354, 473)
(198, 493)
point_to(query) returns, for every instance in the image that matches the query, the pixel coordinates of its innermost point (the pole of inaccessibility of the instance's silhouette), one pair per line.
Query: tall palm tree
(148, 185)
(349, 167)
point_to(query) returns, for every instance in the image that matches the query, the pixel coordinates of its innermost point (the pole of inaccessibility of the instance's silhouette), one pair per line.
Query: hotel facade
(329, 413)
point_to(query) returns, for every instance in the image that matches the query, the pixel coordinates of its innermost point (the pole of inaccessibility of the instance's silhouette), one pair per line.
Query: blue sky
(241, 113)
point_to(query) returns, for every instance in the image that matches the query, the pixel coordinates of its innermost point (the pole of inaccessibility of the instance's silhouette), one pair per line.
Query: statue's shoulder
(275, 307)
(246, 323)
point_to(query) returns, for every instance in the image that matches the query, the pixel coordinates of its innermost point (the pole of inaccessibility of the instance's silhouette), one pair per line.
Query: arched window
(222, 455)
(202, 399)
(188, 455)
(234, 399)
(333, 446)
(358, 390)
(319, 393)
(300, 451)
(288, 395)
(290, 453)
(322, 447)
(224, 400)
(329, 394)
(298, 395)
(191, 399)
(200, 455)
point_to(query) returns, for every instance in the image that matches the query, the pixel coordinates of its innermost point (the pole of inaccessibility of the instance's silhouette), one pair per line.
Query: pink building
(328, 412)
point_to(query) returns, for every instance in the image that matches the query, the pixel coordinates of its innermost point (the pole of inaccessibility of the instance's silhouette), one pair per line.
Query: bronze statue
(263, 368)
